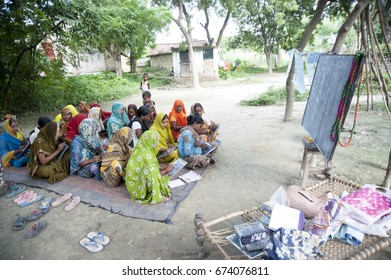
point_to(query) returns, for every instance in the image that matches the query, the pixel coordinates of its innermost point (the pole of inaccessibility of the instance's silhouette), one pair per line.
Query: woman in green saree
(145, 183)
(43, 155)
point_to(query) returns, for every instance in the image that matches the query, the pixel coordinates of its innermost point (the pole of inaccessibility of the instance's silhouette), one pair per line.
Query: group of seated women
(137, 145)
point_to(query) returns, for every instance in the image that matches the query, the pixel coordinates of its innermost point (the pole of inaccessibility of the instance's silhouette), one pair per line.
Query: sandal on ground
(3, 189)
(91, 245)
(16, 191)
(24, 196)
(37, 214)
(45, 203)
(20, 223)
(72, 204)
(99, 237)
(61, 199)
(35, 229)
(37, 198)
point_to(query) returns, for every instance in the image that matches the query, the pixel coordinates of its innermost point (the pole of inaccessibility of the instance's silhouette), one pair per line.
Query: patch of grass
(272, 97)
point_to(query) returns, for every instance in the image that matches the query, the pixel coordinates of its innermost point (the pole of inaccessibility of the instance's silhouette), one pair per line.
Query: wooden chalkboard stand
(308, 164)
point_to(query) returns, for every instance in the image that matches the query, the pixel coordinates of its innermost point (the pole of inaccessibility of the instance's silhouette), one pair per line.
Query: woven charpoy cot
(216, 231)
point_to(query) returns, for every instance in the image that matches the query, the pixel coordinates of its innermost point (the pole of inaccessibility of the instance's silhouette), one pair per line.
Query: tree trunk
(206, 27)
(227, 17)
(268, 60)
(189, 40)
(302, 43)
(347, 25)
(387, 179)
(386, 28)
(132, 63)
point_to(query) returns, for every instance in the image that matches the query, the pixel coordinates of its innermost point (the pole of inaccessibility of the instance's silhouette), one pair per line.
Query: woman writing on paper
(166, 141)
(196, 152)
(44, 153)
(13, 146)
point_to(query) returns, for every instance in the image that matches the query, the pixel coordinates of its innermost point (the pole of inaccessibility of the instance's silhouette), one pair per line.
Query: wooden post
(200, 234)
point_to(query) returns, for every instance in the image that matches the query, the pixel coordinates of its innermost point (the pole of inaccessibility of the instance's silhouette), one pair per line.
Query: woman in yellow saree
(166, 141)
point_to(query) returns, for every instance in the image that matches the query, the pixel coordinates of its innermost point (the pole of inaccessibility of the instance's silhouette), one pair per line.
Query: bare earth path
(259, 153)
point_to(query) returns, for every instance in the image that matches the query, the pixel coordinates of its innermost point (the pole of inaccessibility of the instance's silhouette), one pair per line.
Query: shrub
(273, 96)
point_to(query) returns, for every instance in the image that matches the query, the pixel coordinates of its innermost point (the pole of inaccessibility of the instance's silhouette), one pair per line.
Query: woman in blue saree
(13, 144)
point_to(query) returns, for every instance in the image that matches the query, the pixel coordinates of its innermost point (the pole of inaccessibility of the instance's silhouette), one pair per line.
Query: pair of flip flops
(27, 198)
(35, 229)
(95, 241)
(71, 202)
(21, 221)
(15, 190)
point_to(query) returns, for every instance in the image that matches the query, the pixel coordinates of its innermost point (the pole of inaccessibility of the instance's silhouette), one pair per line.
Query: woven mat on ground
(116, 200)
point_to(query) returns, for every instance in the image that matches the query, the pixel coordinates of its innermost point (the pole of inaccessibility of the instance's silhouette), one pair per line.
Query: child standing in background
(144, 84)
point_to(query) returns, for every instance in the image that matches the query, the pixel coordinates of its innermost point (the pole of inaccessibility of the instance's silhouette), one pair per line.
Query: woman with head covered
(145, 183)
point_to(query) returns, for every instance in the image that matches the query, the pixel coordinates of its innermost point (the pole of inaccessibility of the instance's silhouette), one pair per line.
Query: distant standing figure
(144, 84)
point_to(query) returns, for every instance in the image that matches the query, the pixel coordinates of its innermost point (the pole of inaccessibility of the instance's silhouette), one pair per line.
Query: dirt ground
(259, 153)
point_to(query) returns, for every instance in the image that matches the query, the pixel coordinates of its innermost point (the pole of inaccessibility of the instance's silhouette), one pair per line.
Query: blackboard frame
(331, 74)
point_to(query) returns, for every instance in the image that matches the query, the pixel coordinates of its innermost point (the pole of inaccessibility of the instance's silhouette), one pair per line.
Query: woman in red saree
(177, 118)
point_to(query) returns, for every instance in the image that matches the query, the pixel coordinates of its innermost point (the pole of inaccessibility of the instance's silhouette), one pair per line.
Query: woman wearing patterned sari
(177, 118)
(96, 113)
(166, 140)
(145, 183)
(85, 150)
(13, 144)
(43, 155)
(118, 118)
(116, 156)
(190, 146)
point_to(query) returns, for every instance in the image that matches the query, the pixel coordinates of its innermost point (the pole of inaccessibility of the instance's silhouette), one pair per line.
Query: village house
(175, 56)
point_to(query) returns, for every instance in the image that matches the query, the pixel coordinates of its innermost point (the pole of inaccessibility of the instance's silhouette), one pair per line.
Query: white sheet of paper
(176, 183)
(190, 176)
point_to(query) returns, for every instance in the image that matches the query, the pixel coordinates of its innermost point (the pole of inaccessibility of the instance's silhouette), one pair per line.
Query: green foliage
(53, 94)
(272, 97)
(223, 74)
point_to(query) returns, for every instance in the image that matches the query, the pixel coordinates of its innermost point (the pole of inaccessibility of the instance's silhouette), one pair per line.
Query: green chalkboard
(331, 74)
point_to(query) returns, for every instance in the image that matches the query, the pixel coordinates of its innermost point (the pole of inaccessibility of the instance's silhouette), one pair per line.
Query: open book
(24, 150)
(212, 134)
(166, 153)
(211, 151)
(60, 154)
(178, 165)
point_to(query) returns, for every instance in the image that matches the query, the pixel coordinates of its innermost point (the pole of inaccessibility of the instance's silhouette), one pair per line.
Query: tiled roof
(169, 47)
